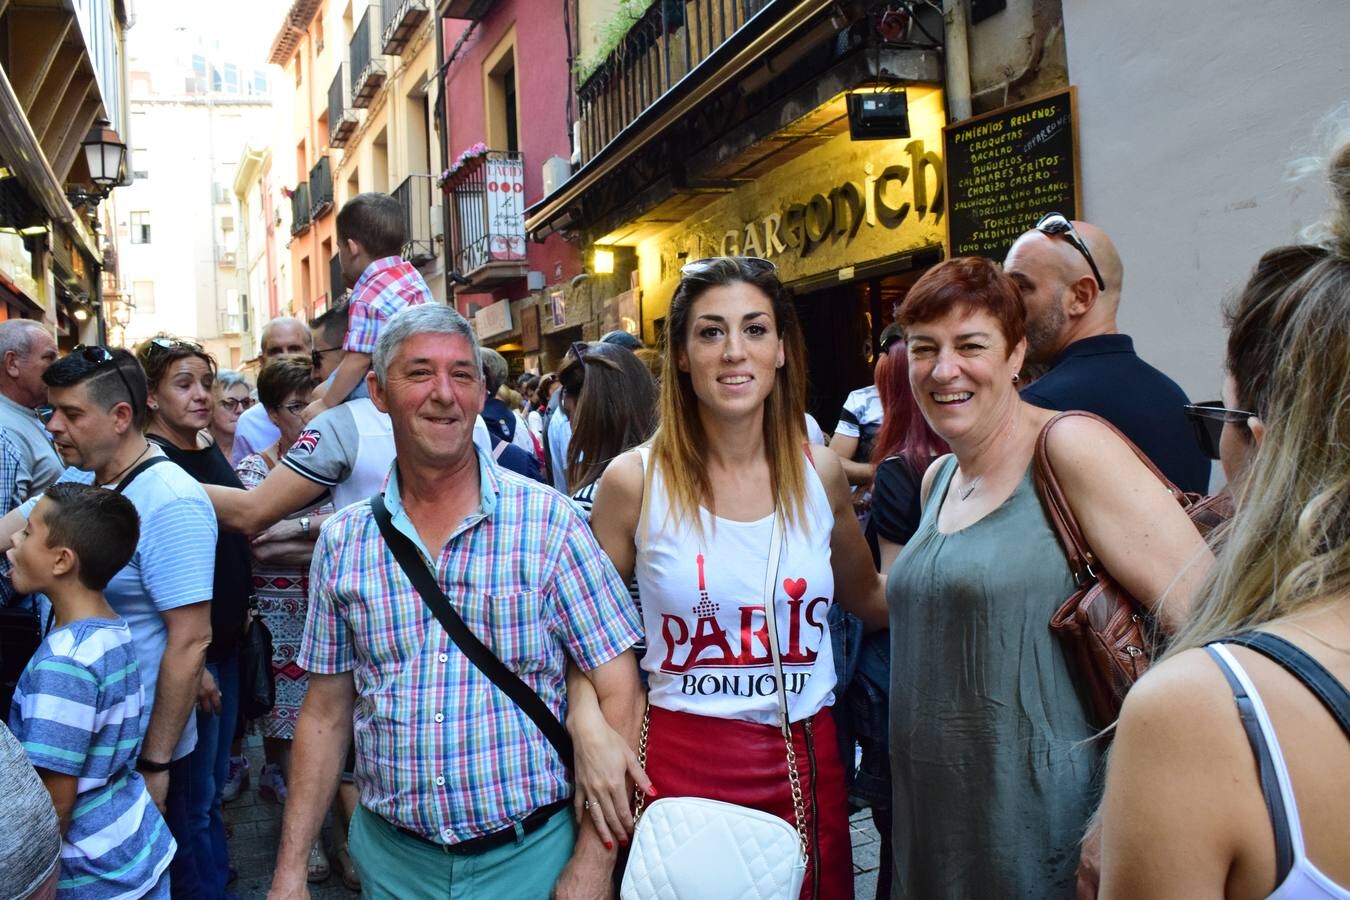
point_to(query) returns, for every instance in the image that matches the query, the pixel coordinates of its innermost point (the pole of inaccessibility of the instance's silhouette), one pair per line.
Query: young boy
(78, 706)
(370, 236)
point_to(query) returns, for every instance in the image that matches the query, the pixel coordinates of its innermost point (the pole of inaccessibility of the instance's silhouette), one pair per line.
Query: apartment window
(140, 227)
(299, 75)
(259, 82)
(231, 78)
(216, 81)
(499, 88)
(143, 296)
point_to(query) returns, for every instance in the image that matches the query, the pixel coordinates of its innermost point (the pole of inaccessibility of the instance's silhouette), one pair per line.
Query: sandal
(350, 877)
(318, 869)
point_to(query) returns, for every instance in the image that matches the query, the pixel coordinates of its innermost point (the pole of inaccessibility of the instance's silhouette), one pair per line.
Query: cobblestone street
(256, 831)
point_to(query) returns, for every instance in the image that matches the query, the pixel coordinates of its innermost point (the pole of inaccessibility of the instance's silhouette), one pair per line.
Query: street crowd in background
(197, 558)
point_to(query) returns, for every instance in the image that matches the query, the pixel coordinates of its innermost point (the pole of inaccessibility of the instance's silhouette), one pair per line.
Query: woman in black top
(904, 448)
(180, 376)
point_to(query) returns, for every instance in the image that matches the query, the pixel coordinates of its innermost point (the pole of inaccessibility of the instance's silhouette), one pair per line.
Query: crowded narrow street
(674, 449)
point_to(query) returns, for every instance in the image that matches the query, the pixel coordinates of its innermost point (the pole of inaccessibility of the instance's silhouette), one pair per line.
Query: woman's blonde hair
(1287, 546)
(679, 445)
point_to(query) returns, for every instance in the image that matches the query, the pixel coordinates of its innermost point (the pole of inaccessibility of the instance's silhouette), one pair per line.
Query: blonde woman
(1205, 796)
(692, 515)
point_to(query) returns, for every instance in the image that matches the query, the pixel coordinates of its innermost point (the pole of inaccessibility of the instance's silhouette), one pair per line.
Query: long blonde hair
(1288, 547)
(679, 443)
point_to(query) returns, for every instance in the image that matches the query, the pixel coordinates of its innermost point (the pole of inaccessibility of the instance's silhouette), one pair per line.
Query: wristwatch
(147, 765)
(304, 525)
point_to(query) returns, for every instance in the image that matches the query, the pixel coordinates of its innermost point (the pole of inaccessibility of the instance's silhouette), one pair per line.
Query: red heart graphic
(796, 588)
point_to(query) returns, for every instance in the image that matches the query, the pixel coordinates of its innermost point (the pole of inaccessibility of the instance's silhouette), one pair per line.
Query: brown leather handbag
(1106, 631)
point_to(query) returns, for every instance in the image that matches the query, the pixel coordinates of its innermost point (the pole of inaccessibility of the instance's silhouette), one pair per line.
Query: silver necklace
(970, 488)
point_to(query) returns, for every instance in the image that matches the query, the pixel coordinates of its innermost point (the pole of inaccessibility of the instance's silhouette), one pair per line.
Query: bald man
(1071, 329)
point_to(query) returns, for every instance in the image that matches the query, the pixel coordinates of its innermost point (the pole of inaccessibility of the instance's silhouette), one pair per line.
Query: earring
(1016, 378)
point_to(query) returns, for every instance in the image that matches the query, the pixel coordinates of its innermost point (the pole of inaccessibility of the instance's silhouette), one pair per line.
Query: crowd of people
(507, 616)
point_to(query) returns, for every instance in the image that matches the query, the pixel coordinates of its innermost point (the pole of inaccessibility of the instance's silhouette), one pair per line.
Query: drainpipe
(957, 58)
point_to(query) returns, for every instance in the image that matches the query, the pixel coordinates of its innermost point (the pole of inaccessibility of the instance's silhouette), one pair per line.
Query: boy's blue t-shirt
(78, 710)
(174, 565)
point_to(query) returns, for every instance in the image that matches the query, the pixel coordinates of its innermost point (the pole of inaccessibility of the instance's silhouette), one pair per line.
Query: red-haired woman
(994, 770)
(694, 515)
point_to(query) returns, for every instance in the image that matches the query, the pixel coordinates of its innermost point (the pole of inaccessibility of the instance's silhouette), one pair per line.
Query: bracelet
(148, 765)
(304, 526)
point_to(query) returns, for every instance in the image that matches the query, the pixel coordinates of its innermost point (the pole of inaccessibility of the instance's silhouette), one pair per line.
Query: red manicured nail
(623, 841)
(651, 791)
(609, 845)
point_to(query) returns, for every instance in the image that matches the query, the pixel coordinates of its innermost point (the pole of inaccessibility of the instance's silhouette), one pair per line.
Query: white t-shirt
(703, 613)
(814, 435)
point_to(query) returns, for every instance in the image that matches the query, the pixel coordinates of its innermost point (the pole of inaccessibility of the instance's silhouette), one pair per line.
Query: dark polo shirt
(1103, 375)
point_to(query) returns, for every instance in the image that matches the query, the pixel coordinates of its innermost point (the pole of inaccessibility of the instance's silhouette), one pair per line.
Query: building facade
(62, 72)
(179, 222)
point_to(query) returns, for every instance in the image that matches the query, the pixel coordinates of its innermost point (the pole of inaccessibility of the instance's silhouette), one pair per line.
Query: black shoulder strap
(1296, 662)
(1265, 769)
(487, 662)
(131, 476)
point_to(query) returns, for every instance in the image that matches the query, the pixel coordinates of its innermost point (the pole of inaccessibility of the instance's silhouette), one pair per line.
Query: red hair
(967, 284)
(904, 431)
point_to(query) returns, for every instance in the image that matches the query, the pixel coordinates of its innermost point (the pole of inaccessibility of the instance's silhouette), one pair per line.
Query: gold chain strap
(795, 783)
(640, 796)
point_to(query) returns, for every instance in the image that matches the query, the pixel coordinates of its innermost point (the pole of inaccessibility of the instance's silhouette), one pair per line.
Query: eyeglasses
(1058, 223)
(295, 408)
(756, 264)
(1208, 419)
(237, 404)
(317, 354)
(170, 345)
(101, 356)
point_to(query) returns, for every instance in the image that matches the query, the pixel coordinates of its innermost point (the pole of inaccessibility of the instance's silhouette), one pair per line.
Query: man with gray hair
(462, 791)
(26, 350)
(282, 336)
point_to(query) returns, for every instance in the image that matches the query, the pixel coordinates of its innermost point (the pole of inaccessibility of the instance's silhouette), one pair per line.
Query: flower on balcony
(609, 34)
(477, 151)
(287, 192)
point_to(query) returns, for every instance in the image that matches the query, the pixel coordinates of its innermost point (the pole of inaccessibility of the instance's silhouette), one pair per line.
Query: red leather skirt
(745, 763)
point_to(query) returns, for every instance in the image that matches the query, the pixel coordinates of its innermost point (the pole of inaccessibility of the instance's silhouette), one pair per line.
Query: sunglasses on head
(1059, 224)
(171, 345)
(1208, 419)
(756, 264)
(102, 356)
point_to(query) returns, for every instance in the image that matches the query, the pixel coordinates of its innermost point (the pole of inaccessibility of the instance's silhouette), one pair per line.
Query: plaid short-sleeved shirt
(441, 751)
(386, 286)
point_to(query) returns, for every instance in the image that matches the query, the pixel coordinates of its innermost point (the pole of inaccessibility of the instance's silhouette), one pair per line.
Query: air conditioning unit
(556, 171)
(228, 259)
(437, 222)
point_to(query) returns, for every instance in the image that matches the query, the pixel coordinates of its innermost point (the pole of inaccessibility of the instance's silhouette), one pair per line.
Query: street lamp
(106, 157)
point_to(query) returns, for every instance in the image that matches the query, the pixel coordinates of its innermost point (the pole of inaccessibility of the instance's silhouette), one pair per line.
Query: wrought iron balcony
(300, 217)
(465, 9)
(342, 116)
(320, 188)
(415, 196)
(663, 45)
(401, 20)
(367, 65)
(487, 208)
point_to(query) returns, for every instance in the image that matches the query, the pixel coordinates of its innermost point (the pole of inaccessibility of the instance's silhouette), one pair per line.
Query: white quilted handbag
(690, 848)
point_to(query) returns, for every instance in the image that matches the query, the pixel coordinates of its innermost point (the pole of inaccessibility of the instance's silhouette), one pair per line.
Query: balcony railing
(367, 65)
(465, 9)
(487, 203)
(300, 217)
(399, 23)
(320, 188)
(342, 116)
(414, 195)
(664, 44)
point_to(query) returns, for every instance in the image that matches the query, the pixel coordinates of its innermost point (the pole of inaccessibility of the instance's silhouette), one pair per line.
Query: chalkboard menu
(1006, 169)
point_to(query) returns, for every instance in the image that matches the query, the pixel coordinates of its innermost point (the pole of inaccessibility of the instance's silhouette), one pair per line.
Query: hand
(157, 785)
(282, 531)
(1090, 862)
(586, 877)
(208, 695)
(604, 762)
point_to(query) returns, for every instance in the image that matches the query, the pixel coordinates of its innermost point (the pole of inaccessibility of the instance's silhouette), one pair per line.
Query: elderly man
(1070, 275)
(283, 336)
(26, 350)
(164, 593)
(461, 793)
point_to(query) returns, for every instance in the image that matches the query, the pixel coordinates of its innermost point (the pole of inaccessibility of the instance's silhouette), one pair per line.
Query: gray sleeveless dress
(994, 773)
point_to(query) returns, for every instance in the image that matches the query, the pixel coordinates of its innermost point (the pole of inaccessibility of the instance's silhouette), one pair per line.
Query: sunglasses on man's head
(102, 356)
(1208, 419)
(1059, 224)
(756, 264)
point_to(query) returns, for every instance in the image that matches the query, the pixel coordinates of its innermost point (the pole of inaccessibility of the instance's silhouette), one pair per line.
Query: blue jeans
(183, 880)
(210, 763)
